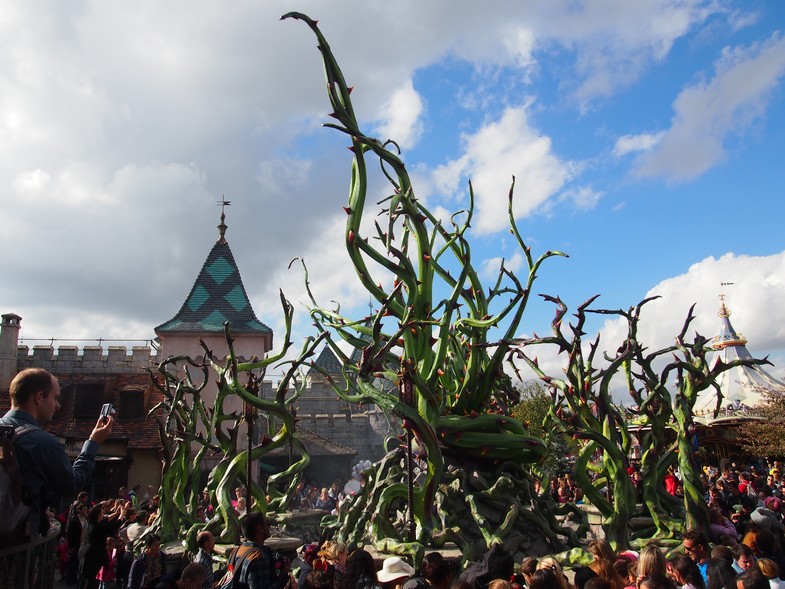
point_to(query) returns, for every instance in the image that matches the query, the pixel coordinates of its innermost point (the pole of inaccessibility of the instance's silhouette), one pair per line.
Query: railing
(30, 565)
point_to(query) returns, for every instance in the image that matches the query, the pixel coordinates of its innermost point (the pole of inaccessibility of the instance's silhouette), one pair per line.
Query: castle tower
(9, 340)
(217, 296)
(742, 386)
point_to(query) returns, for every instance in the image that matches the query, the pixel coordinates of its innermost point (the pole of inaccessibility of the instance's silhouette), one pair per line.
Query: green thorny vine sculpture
(454, 396)
(193, 428)
(584, 407)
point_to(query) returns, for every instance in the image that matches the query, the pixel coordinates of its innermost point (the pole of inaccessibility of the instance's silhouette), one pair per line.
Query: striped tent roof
(743, 387)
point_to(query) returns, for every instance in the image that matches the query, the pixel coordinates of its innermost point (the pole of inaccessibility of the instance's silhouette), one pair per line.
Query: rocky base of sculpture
(478, 503)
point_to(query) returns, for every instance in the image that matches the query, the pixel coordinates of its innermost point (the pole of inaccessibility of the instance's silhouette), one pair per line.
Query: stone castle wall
(362, 432)
(362, 428)
(319, 409)
(93, 359)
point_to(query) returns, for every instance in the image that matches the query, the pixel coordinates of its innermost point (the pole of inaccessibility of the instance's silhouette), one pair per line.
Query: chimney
(9, 340)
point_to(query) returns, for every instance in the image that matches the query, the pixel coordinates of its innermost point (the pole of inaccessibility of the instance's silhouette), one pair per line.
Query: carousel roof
(743, 388)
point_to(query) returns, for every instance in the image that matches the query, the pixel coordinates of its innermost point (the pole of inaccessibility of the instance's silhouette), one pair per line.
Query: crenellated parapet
(89, 359)
(364, 432)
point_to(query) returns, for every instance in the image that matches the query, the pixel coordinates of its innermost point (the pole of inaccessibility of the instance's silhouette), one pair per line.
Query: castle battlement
(92, 359)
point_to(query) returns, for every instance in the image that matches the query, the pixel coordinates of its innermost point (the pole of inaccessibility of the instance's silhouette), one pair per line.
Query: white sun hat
(394, 568)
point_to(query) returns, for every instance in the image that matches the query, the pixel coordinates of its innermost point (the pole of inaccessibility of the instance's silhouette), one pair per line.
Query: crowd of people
(108, 544)
(98, 541)
(741, 549)
(102, 544)
(310, 496)
(699, 565)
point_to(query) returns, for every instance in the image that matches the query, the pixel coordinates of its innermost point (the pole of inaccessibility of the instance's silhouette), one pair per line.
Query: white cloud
(708, 113)
(584, 198)
(496, 152)
(634, 143)
(31, 181)
(400, 115)
(753, 300)
(122, 124)
(491, 266)
(279, 176)
(449, 178)
(758, 285)
(615, 40)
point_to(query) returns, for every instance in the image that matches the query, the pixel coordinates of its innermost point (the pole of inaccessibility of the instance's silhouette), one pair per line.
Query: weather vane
(722, 295)
(223, 203)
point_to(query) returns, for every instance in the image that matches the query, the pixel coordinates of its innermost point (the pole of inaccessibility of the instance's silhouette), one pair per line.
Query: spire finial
(222, 227)
(723, 309)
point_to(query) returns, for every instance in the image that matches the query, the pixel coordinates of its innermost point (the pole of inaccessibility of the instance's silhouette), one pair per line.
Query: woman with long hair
(601, 550)
(436, 571)
(545, 578)
(685, 572)
(721, 574)
(605, 570)
(652, 562)
(360, 572)
(550, 563)
(771, 571)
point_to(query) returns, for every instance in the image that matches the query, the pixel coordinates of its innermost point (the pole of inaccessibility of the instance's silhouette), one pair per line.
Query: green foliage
(766, 438)
(535, 411)
(534, 407)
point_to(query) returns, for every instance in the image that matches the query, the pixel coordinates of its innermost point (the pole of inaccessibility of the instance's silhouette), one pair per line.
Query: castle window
(88, 401)
(131, 405)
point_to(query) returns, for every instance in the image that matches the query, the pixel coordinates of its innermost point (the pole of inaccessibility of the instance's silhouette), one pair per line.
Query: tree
(535, 411)
(764, 434)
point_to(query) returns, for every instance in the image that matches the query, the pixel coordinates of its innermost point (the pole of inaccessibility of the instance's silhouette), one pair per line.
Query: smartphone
(107, 410)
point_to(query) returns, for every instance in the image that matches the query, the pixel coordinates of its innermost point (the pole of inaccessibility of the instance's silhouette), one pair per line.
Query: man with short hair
(697, 546)
(149, 565)
(81, 499)
(206, 543)
(252, 562)
(46, 471)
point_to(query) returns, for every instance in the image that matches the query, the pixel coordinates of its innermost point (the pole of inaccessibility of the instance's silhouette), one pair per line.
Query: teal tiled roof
(328, 362)
(217, 296)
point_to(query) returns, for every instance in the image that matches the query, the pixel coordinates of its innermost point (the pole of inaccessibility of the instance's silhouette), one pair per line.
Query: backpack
(234, 563)
(15, 525)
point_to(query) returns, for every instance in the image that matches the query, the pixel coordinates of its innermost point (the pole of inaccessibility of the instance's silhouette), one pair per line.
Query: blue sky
(646, 138)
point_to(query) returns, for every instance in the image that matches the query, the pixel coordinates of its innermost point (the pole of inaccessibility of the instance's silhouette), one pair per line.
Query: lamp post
(407, 397)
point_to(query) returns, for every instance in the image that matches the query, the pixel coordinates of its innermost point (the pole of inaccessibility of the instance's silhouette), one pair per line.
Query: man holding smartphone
(46, 471)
